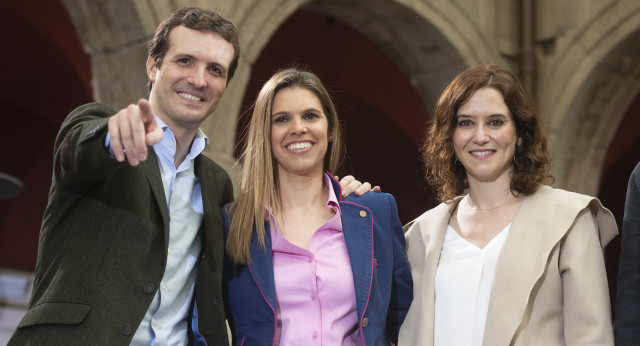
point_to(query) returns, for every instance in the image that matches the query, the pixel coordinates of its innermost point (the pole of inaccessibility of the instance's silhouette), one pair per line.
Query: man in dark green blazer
(131, 238)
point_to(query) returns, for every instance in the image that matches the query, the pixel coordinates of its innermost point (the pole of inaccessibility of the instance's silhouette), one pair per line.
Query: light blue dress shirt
(165, 322)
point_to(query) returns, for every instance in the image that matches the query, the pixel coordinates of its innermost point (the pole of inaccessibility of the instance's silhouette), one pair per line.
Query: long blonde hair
(258, 187)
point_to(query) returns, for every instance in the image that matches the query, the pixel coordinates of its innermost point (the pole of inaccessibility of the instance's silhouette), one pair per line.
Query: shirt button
(314, 335)
(127, 329)
(170, 143)
(365, 322)
(313, 296)
(173, 214)
(169, 251)
(155, 324)
(363, 213)
(148, 288)
(310, 260)
(165, 288)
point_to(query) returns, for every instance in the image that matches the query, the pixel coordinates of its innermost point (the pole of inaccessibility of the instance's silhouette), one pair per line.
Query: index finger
(146, 112)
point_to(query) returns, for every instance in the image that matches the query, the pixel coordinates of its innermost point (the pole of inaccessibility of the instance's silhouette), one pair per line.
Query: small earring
(455, 160)
(514, 159)
(330, 138)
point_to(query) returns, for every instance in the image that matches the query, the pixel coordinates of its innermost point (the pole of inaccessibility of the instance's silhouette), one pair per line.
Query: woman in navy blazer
(293, 142)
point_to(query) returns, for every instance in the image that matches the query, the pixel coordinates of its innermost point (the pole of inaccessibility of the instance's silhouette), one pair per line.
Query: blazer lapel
(357, 226)
(261, 267)
(211, 234)
(151, 169)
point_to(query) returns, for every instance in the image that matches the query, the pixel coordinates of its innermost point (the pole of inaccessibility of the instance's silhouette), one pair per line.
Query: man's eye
(183, 61)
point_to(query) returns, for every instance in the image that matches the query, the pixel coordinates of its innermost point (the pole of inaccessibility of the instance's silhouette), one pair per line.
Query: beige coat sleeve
(586, 306)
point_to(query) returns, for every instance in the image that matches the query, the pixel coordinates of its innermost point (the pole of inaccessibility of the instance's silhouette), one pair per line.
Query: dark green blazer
(103, 243)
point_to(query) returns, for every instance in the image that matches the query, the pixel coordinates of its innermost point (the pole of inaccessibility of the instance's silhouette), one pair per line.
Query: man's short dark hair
(196, 19)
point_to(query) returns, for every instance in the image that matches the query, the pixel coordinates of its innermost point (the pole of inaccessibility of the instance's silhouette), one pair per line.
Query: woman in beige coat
(512, 262)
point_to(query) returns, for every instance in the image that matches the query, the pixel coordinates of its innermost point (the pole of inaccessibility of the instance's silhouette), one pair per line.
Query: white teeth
(298, 146)
(190, 97)
(481, 153)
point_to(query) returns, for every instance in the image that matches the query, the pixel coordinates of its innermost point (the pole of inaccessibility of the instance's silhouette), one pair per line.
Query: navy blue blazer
(381, 275)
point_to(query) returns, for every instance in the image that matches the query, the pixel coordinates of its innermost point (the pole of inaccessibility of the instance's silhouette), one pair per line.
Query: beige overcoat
(550, 285)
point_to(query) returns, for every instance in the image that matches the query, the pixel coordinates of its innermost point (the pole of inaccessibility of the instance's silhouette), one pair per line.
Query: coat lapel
(432, 231)
(357, 226)
(524, 256)
(424, 236)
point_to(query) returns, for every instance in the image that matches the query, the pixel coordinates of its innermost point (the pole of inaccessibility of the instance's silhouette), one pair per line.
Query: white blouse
(463, 287)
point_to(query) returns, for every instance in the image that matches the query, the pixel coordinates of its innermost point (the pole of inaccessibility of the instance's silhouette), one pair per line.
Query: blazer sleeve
(587, 313)
(80, 156)
(402, 285)
(627, 322)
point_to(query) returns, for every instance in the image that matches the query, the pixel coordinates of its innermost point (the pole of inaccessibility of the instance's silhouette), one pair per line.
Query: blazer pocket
(70, 313)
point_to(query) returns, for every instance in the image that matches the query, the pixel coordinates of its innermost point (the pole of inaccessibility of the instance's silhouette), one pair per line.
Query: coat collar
(530, 243)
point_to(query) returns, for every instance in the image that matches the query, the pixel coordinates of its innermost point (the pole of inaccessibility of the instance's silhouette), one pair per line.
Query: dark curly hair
(531, 160)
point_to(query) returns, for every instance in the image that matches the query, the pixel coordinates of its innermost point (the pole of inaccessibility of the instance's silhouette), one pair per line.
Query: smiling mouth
(298, 146)
(190, 97)
(482, 153)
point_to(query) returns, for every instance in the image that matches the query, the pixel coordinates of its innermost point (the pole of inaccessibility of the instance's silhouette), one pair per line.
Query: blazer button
(148, 288)
(127, 329)
(363, 213)
(204, 255)
(365, 322)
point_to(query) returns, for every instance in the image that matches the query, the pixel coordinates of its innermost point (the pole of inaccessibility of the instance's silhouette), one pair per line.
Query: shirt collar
(200, 141)
(332, 201)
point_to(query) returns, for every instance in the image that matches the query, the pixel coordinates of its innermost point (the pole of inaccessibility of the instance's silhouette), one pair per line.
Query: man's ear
(151, 69)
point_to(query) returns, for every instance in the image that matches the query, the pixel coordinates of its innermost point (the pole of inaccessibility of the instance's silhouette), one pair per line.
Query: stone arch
(590, 88)
(115, 34)
(447, 44)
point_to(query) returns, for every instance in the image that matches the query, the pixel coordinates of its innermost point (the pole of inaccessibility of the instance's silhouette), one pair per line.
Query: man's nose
(197, 77)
